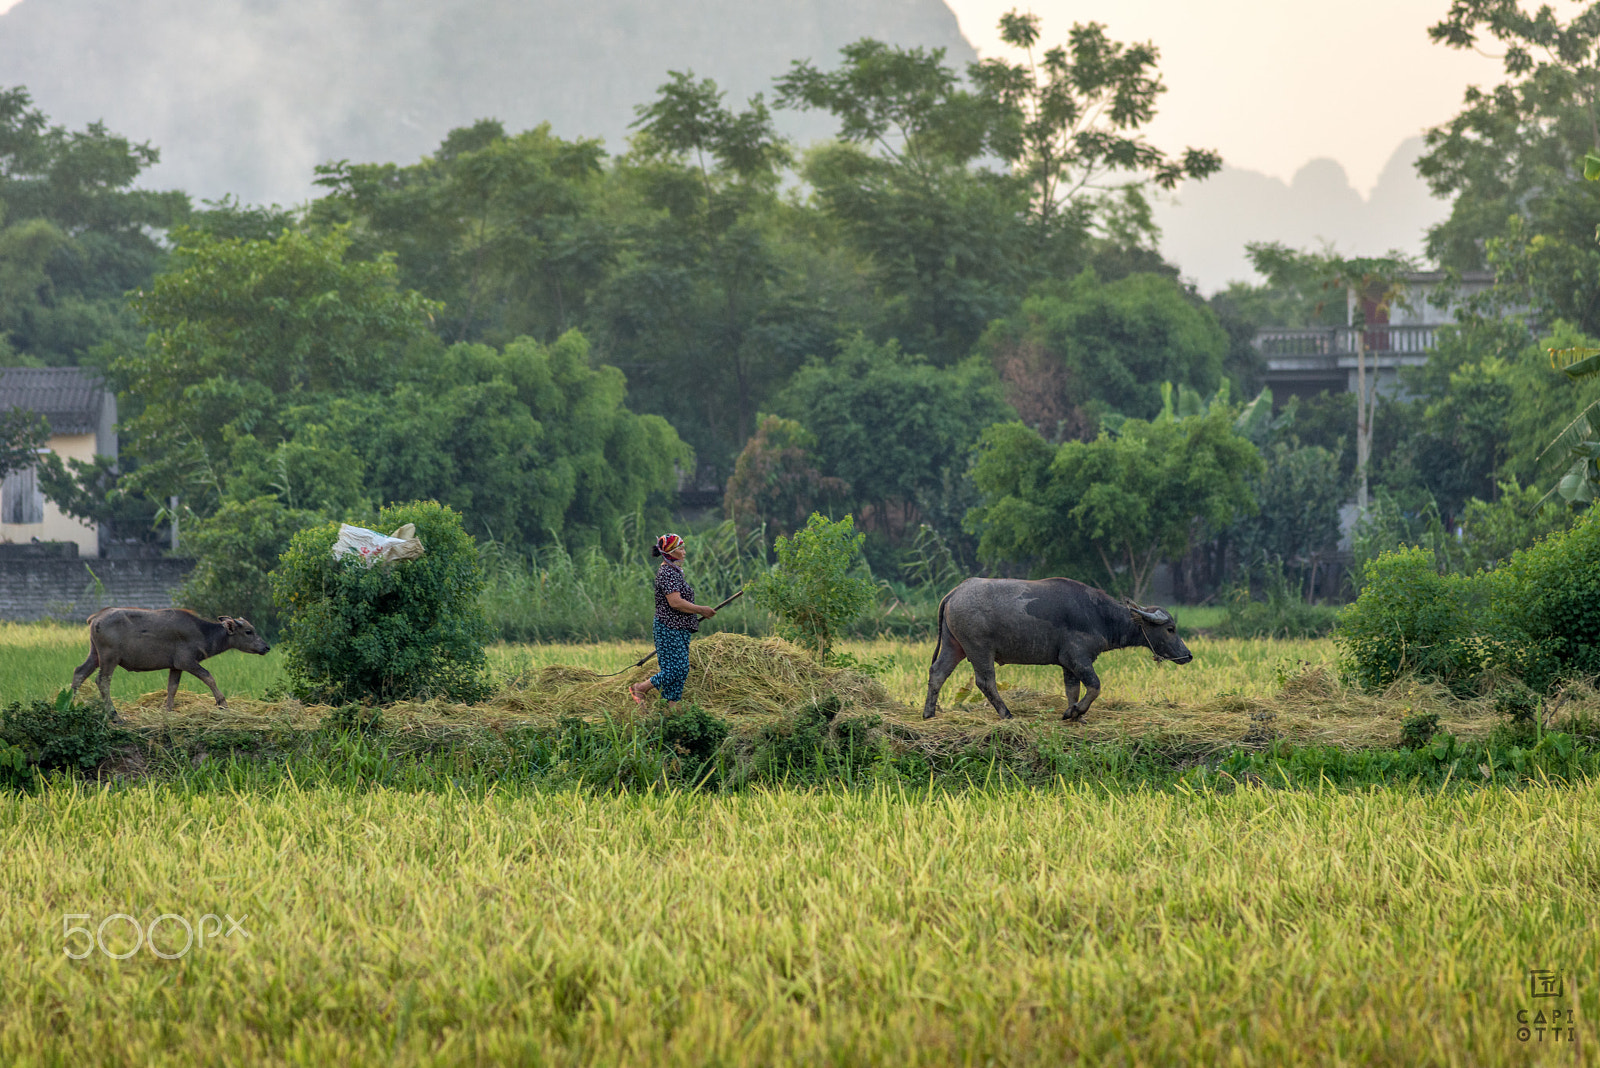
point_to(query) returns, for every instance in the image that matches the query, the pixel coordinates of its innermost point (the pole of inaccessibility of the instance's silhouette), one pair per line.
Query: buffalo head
(1161, 633)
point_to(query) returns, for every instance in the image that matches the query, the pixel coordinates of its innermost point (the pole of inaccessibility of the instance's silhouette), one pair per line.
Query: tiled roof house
(83, 419)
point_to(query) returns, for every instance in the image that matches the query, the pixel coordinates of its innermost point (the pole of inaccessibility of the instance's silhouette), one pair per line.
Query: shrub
(16, 773)
(1544, 623)
(693, 733)
(1534, 619)
(410, 629)
(811, 590)
(62, 734)
(1418, 729)
(1411, 618)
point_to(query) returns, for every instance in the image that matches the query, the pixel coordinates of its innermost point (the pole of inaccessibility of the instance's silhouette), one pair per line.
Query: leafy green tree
(242, 331)
(506, 230)
(1110, 509)
(940, 235)
(1512, 152)
(1077, 350)
(699, 294)
(1298, 493)
(22, 435)
(532, 444)
(1070, 122)
(76, 234)
(812, 590)
(775, 483)
(235, 550)
(895, 428)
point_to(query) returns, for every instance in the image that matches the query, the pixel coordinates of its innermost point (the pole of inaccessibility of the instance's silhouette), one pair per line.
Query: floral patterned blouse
(669, 579)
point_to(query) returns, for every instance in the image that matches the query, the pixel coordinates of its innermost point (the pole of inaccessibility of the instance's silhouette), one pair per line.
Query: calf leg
(174, 675)
(204, 676)
(983, 672)
(950, 654)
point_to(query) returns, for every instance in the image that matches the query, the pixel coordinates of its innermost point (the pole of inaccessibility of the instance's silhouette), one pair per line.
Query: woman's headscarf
(666, 545)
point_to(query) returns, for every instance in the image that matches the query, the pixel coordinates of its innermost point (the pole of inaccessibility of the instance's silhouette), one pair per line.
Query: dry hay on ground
(753, 681)
(729, 674)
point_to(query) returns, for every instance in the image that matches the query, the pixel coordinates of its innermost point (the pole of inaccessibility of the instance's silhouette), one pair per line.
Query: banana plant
(1581, 483)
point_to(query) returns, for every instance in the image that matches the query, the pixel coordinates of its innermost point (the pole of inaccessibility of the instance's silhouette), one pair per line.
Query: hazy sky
(1271, 84)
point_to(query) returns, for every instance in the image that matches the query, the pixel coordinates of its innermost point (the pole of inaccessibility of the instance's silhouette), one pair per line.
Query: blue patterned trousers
(672, 653)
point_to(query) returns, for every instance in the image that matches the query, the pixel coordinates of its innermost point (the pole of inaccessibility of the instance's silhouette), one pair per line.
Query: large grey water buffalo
(146, 639)
(1042, 621)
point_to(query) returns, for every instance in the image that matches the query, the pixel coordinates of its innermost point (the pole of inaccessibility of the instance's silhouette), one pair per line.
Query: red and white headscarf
(666, 545)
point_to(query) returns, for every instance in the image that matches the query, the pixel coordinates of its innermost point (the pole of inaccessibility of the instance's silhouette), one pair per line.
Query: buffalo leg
(1091, 684)
(85, 669)
(106, 668)
(1069, 682)
(983, 672)
(174, 676)
(950, 654)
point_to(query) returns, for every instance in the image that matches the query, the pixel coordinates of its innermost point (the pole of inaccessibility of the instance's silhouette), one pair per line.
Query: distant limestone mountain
(247, 96)
(1205, 231)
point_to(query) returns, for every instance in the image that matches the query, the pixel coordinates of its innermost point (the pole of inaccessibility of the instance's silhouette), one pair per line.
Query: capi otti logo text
(1546, 1020)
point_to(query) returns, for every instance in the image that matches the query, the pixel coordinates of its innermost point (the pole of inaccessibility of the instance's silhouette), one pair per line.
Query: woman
(677, 617)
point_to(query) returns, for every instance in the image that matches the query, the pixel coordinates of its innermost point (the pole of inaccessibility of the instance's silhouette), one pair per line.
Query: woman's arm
(676, 600)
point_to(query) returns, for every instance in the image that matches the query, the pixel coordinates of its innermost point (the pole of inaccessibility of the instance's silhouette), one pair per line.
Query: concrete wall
(65, 588)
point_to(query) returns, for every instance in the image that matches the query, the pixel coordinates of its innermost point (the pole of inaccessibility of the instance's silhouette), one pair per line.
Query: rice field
(789, 927)
(883, 925)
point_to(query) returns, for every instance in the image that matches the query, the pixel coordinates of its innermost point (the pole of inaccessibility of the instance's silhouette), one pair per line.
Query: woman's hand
(683, 604)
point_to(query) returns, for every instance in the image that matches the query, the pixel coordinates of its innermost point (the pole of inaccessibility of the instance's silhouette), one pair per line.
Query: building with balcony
(1305, 362)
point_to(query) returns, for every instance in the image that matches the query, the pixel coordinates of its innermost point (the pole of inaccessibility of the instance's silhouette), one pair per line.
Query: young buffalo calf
(141, 639)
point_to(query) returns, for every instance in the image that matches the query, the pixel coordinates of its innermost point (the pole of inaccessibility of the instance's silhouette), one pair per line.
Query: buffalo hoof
(930, 713)
(1005, 714)
(1070, 716)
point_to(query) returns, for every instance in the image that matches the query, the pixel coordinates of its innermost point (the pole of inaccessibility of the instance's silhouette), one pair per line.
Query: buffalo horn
(1156, 617)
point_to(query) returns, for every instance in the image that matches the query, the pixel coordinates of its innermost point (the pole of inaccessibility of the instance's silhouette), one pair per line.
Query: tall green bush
(410, 629)
(812, 591)
(1411, 618)
(1544, 623)
(1536, 618)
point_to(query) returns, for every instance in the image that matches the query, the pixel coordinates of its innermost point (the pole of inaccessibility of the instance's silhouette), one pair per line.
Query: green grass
(1011, 927)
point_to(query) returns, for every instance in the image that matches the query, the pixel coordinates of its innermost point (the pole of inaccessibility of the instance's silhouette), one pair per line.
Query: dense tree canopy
(896, 429)
(74, 234)
(1078, 350)
(1112, 508)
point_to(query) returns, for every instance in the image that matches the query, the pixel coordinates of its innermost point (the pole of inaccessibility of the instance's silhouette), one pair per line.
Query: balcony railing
(1381, 340)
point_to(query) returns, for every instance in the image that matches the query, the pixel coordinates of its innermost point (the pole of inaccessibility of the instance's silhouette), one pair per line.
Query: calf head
(1161, 633)
(242, 636)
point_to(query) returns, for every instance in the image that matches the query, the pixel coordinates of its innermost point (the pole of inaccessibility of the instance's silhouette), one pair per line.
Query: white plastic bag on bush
(371, 547)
